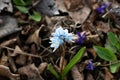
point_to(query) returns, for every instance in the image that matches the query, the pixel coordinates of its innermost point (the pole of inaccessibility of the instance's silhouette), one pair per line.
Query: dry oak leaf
(5, 71)
(73, 5)
(76, 74)
(31, 71)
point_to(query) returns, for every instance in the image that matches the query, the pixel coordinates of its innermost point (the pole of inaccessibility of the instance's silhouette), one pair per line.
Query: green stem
(62, 60)
(109, 64)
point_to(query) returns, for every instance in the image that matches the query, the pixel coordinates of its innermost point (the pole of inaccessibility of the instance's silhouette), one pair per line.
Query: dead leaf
(6, 4)
(11, 62)
(61, 5)
(76, 74)
(8, 26)
(101, 26)
(5, 71)
(47, 7)
(89, 77)
(3, 59)
(34, 38)
(42, 67)
(108, 75)
(88, 26)
(21, 59)
(17, 50)
(93, 16)
(31, 71)
(81, 15)
(82, 66)
(9, 42)
(93, 52)
(73, 5)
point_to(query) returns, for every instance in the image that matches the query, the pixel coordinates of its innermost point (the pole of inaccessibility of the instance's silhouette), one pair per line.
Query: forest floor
(60, 40)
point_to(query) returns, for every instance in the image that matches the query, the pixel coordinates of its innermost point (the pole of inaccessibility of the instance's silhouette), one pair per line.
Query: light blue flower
(59, 32)
(55, 42)
(63, 34)
(59, 36)
(70, 37)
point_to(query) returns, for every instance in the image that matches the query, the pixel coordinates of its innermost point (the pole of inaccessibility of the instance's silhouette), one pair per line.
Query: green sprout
(23, 6)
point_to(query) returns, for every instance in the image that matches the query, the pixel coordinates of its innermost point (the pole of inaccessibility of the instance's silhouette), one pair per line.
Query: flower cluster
(102, 8)
(60, 35)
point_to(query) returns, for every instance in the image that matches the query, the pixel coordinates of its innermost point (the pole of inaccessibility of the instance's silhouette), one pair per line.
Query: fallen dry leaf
(61, 5)
(76, 74)
(101, 26)
(82, 66)
(73, 5)
(6, 4)
(31, 71)
(80, 16)
(93, 52)
(108, 75)
(3, 59)
(34, 38)
(21, 59)
(16, 50)
(8, 26)
(89, 77)
(5, 71)
(11, 62)
(42, 67)
(8, 42)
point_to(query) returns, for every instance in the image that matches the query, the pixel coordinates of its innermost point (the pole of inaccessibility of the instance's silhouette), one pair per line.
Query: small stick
(22, 53)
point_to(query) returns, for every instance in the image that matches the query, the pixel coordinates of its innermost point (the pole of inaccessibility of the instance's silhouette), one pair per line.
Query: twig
(22, 53)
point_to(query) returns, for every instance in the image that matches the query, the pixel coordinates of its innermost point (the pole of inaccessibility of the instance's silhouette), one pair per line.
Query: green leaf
(50, 67)
(112, 38)
(19, 2)
(73, 61)
(35, 16)
(114, 67)
(114, 41)
(105, 54)
(22, 9)
(22, 2)
(110, 47)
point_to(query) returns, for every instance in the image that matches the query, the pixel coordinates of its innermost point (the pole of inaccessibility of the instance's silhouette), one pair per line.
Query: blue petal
(80, 37)
(59, 32)
(70, 37)
(90, 66)
(100, 10)
(55, 42)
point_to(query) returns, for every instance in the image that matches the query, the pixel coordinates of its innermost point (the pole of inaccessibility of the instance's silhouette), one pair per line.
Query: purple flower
(90, 66)
(80, 37)
(102, 8)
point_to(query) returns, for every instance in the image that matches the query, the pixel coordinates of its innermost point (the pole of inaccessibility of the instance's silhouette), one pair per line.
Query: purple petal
(100, 10)
(80, 38)
(90, 66)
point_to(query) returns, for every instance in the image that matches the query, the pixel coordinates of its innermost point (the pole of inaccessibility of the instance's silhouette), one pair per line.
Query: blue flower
(55, 42)
(80, 37)
(59, 32)
(59, 36)
(90, 66)
(102, 8)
